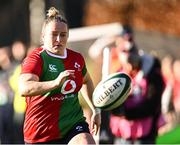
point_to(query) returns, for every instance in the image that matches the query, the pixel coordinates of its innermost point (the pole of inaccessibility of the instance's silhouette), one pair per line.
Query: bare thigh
(82, 138)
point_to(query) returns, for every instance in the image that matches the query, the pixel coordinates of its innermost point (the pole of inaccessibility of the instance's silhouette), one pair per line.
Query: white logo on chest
(52, 68)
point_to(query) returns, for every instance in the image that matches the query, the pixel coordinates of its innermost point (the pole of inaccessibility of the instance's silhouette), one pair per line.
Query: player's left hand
(95, 122)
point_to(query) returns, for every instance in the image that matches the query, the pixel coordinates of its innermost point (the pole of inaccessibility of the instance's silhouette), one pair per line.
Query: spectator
(19, 104)
(6, 98)
(167, 72)
(176, 91)
(170, 97)
(137, 119)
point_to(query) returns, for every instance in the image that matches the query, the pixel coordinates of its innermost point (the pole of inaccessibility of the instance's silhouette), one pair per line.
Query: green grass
(171, 137)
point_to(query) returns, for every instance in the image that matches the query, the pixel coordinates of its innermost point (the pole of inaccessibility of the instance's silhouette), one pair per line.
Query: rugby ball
(112, 91)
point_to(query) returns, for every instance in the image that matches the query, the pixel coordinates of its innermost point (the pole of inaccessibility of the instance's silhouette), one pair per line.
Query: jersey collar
(58, 56)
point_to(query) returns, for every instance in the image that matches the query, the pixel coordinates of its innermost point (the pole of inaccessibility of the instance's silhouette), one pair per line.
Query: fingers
(69, 72)
(97, 119)
(62, 76)
(94, 128)
(95, 125)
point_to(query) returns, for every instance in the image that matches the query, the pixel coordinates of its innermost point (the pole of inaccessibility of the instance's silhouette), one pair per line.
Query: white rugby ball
(112, 91)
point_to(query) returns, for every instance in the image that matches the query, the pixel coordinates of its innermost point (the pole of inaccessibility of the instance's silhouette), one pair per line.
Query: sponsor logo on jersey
(52, 68)
(60, 98)
(69, 86)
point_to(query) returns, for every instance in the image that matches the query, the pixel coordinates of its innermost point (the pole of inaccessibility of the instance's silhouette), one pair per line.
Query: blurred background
(156, 26)
(156, 23)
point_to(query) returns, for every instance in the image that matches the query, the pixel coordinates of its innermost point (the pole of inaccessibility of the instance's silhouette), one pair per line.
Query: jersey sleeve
(84, 68)
(33, 63)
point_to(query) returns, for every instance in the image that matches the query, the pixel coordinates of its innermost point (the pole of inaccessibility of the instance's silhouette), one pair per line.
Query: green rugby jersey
(51, 115)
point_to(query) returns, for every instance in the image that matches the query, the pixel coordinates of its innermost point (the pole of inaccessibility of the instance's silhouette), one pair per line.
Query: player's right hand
(62, 76)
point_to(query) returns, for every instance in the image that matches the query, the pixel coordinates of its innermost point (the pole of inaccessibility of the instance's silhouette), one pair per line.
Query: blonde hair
(53, 15)
(52, 12)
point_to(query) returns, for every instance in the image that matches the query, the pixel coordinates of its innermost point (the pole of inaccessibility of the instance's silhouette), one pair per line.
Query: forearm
(87, 91)
(29, 84)
(33, 88)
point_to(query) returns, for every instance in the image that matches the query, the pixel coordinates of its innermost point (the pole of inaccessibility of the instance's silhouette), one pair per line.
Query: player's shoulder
(37, 50)
(74, 53)
(34, 55)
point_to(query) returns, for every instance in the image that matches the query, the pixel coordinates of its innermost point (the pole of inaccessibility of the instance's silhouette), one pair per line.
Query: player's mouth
(58, 46)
